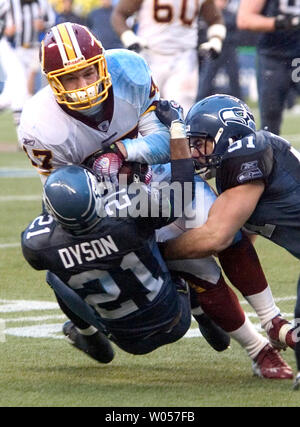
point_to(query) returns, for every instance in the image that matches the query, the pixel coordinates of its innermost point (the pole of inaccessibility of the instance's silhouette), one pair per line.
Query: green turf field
(38, 368)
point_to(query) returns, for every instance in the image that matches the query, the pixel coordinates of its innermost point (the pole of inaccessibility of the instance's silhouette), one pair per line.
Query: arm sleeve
(153, 144)
(31, 256)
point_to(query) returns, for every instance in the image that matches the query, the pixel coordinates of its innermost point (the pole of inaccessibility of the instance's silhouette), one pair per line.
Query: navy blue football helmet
(72, 197)
(222, 118)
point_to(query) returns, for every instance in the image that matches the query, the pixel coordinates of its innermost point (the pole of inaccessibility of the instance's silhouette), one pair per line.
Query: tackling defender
(258, 179)
(135, 300)
(105, 101)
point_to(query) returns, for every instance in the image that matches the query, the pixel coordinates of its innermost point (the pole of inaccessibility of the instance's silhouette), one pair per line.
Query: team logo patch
(235, 115)
(104, 126)
(249, 171)
(30, 142)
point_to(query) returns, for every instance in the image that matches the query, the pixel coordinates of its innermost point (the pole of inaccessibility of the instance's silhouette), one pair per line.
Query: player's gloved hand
(168, 112)
(216, 34)
(132, 42)
(287, 22)
(171, 115)
(210, 49)
(147, 177)
(107, 167)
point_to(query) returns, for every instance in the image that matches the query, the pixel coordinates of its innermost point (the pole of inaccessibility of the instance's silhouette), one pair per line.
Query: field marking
(9, 245)
(13, 306)
(18, 173)
(42, 331)
(29, 198)
(35, 318)
(54, 330)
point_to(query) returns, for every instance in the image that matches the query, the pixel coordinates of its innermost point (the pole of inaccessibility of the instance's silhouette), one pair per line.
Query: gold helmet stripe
(74, 41)
(66, 41)
(60, 45)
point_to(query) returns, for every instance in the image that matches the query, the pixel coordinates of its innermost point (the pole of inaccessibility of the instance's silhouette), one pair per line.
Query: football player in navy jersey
(258, 179)
(105, 102)
(134, 300)
(279, 23)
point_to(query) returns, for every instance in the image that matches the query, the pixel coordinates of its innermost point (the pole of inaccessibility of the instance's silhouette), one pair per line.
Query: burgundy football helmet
(70, 47)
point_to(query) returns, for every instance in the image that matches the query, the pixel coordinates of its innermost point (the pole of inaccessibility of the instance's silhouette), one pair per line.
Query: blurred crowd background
(234, 72)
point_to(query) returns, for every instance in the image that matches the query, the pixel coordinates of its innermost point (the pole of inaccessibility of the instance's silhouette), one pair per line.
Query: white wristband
(216, 30)
(216, 44)
(177, 130)
(128, 38)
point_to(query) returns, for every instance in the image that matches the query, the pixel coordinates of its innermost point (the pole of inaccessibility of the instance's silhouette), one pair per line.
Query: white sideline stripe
(17, 173)
(30, 198)
(13, 306)
(9, 245)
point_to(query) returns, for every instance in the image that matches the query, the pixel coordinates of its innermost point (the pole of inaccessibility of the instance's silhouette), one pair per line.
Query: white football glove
(132, 42)
(212, 48)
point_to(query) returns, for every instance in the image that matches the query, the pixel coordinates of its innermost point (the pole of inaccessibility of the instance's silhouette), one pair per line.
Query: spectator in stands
(84, 7)
(98, 22)
(68, 14)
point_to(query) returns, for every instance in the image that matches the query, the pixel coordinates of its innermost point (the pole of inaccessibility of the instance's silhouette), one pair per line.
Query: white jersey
(52, 137)
(169, 26)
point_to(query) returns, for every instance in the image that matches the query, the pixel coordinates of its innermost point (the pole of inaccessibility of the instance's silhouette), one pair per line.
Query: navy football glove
(171, 115)
(169, 112)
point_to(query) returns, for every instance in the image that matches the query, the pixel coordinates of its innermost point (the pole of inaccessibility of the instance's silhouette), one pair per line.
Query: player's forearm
(196, 243)
(255, 22)
(211, 13)
(121, 12)
(118, 22)
(152, 149)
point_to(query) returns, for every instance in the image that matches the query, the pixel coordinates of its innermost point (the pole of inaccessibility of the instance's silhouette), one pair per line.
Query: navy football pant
(147, 344)
(274, 81)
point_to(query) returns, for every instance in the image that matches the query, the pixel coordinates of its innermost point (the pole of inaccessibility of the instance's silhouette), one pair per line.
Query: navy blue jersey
(117, 267)
(284, 44)
(265, 156)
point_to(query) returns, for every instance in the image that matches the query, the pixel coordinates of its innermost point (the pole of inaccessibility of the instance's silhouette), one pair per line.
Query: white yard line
(19, 198)
(9, 245)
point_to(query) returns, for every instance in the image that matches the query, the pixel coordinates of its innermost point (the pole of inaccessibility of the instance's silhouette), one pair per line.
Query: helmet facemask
(205, 162)
(85, 97)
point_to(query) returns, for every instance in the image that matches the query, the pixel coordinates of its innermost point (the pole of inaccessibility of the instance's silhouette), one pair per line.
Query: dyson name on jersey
(87, 251)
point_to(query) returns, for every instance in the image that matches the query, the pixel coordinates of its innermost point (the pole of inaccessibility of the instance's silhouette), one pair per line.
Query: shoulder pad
(131, 66)
(246, 160)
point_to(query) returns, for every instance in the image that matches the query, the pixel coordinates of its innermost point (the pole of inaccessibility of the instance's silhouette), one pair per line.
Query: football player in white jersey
(100, 100)
(91, 99)
(167, 37)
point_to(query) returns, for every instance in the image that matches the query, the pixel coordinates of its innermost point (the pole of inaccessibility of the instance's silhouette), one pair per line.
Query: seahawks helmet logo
(236, 115)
